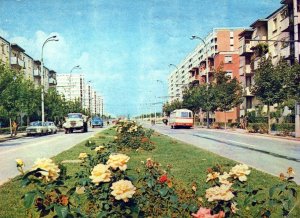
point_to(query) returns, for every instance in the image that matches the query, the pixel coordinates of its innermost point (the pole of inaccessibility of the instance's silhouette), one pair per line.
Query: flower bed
(181, 189)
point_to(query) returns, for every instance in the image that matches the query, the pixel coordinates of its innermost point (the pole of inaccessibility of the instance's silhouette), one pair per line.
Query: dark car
(97, 121)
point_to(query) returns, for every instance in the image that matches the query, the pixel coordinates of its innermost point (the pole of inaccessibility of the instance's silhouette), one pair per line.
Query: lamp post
(70, 78)
(52, 38)
(207, 72)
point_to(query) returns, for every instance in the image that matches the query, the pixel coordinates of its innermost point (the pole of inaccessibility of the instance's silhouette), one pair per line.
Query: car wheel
(92, 126)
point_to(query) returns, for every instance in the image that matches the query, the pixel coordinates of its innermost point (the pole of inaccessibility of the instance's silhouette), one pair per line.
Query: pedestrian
(107, 122)
(14, 128)
(242, 122)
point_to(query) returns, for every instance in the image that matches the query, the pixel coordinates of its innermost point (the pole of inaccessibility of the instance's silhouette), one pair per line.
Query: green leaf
(61, 212)
(272, 190)
(29, 199)
(163, 192)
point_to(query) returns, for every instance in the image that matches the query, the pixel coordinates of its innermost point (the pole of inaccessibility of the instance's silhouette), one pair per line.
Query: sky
(123, 47)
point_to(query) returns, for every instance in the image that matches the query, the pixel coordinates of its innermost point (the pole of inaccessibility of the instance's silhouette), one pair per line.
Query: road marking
(246, 146)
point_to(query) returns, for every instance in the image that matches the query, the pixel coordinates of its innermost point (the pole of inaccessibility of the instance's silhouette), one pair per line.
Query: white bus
(181, 118)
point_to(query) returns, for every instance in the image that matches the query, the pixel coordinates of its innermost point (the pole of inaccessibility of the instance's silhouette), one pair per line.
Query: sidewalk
(245, 132)
(6, 137)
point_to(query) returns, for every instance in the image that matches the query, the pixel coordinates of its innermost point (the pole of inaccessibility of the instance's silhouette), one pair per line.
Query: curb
(252, 134)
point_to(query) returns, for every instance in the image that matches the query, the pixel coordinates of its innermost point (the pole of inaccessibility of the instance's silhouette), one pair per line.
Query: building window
(229, 74)
(274, 25)
(248, 81)
(228, 59)
(248, 103)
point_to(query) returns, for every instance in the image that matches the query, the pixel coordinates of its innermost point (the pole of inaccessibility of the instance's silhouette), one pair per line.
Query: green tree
(268, 84)
(229, 92)
(169, 107)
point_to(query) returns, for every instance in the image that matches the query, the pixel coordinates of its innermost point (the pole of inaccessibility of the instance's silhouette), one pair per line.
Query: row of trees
(19, 97)
(222, 94)
(272, 84)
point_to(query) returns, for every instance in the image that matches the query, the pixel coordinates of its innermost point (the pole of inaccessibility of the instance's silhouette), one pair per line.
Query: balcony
(52, 81)
(247, 91)
(286, 25)
(17, 62)
(37, 73)
(285, 52)
(241, 71)
(248, 69)
(261, 39)
(245, 49)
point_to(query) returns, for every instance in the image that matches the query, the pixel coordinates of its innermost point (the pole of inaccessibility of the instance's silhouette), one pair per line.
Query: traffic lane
(38, 148)
(261, 161)
(279, 146)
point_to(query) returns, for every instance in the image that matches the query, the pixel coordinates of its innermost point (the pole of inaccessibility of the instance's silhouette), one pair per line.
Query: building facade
(275, 37)
(221, 50)
(75, 87)
(14, 56)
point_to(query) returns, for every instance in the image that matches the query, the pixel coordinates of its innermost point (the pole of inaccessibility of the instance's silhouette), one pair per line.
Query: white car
(52, 129)
(36, 128)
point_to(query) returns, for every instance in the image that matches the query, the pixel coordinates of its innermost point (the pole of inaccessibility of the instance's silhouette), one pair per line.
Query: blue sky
(124, 47)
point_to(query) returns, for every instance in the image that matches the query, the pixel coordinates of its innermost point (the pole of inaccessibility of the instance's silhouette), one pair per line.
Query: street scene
(150, 108)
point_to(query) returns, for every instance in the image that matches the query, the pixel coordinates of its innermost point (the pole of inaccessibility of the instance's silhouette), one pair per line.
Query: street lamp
(52, 38)
(173, 66)
(70, 77)
(206, 69)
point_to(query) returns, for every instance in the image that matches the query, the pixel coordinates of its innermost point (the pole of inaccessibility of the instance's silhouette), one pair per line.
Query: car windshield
(74, 116)
(36, 124)
(96, 119)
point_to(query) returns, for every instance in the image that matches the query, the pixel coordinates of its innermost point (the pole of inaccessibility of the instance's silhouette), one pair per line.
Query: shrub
(133, 136)
(283, 128)
(257, 127)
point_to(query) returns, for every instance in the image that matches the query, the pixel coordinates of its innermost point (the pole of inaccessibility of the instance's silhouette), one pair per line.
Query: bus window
(186, 114)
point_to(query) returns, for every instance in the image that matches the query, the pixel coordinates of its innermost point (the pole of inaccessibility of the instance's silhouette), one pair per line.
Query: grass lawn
(189, 164)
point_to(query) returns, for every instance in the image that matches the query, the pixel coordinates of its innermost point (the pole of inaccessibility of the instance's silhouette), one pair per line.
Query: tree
(268, 84)
(169, 107)
(229, 92)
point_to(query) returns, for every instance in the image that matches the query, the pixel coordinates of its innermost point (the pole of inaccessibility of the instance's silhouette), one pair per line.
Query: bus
(181, 118)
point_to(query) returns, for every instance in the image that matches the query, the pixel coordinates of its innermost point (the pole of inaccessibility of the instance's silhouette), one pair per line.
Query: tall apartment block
(14, 56)
(277, 34)
(221, 49)
(75, 87)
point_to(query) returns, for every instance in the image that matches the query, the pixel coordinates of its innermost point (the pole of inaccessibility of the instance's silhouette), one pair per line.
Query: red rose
(163, 178)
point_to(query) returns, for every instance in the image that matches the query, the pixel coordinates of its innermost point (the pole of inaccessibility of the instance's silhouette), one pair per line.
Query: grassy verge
(189, 164)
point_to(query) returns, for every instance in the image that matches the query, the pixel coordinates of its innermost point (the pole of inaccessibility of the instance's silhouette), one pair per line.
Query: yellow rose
(122, 190)
(20, 163)
(118, 161)
(82, 156)
(80, 190)
(240, 171)
(233, 207)
(100, 173)
(99, 148)
(49, 170)
(223, 178)
(218, 193)
(212, 176)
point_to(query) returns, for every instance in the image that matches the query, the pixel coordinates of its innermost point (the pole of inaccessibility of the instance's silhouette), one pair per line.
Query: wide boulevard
(30, 148)
(271, 155)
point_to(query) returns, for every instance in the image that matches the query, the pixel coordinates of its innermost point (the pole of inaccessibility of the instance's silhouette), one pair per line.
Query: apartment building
(221, 49)
(15, 57)
(270, 37)
(4, 51)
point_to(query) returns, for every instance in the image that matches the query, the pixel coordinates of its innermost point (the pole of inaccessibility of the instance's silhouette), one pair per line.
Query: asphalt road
(30, 148)
(266, 154)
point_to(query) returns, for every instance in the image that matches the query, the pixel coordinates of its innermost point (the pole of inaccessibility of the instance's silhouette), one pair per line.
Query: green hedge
(257, 127)
(283, 127)
(6, 130)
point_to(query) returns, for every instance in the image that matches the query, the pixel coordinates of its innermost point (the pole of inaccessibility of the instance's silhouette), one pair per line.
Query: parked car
(37, 128)
(97, 121)
(52, 129)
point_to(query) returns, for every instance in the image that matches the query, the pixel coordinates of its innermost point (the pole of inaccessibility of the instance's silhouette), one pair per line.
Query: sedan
(37, 128)
(52, 129)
